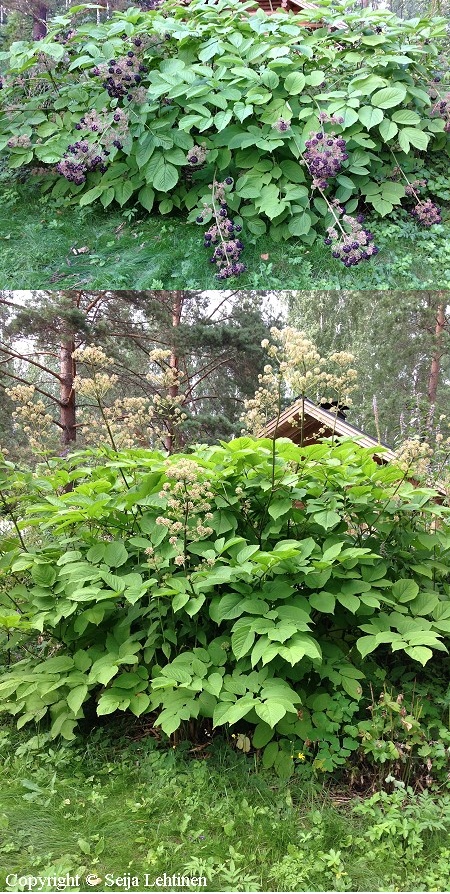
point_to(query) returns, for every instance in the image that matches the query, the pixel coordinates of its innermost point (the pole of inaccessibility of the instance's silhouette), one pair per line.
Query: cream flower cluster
(33, 415)
(99, 382)
(129, 421)
(188, 505)
(297, 368)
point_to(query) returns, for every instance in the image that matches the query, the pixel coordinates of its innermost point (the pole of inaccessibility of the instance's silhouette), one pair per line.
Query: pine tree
(212, 341)
(53, 325)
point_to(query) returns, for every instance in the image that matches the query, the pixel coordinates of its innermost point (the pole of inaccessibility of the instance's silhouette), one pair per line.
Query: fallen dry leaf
(264, 257)
(84, 250)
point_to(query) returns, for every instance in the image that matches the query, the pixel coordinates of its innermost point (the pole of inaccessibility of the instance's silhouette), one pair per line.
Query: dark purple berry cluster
(427, 213)
(79, 159)
(441, 108)
(352, 244)
(324, 155)
(228, 248)
(281, 125)
(123, 75)
(111, 128)
(223, 235)
(197, 156)
(415, 186)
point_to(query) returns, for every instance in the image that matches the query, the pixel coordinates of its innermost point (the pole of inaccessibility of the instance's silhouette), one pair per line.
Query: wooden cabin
(321, 422)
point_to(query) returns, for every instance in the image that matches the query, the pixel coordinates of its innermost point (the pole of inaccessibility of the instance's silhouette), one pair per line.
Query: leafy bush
(244, 583)
(180, 110)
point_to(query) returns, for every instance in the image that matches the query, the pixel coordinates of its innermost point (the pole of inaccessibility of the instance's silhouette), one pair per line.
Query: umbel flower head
(33, 414)
(99, 382)
(296, 367)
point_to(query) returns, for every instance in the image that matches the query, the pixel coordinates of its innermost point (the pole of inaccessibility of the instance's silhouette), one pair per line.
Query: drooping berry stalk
(222, 234)
(425, 211)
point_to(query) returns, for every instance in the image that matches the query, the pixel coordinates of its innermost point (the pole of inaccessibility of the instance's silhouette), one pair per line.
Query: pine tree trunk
(174, 389)
(67, 394)
(435, 368)
(40, 13)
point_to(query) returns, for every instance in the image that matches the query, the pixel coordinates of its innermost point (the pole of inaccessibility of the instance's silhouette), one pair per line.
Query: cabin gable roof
(319, 422)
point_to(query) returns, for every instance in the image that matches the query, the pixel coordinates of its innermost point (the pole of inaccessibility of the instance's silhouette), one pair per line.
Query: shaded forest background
(22, 19)
(212, 345)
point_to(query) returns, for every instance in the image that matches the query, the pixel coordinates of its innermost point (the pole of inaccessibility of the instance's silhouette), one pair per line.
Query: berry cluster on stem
(222, 235)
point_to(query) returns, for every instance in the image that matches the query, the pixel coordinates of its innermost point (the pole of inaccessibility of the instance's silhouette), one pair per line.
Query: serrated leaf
(270, 712)
(388, 129)
(179, 601)
(221, 119)
(115, 554)
(231, 713)
(352, 687)
(246, 553)
(76, 697)
(43, 575)
(146, 197)
(139, 703)
(242, 641)
(270, 755)
(299, 224)
(194, 605)
(262, 735)
(215, 683)
(95, 553)
(349, 601)
(91, 195)
(323, 602)
(366, 645)
(165, 176)
(294, 83)
(405, 590)
(388, 97)
(414, 137)
(110, 701)
(370, 116)
(419, 653)
(169, 722)
(406, 116)
(279, 508)
(56, 665)
(382, 206)
(327, 519)
(123, 191)
(298, 647)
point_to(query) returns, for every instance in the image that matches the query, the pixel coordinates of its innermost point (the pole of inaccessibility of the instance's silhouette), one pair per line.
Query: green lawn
(132, 807)
(39, 245)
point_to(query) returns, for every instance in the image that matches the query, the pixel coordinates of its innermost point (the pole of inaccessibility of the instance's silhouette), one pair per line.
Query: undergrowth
(214, 817)
(43, 246)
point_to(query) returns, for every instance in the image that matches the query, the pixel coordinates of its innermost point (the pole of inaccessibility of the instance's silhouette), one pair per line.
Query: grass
(133, 808)
(42, 246)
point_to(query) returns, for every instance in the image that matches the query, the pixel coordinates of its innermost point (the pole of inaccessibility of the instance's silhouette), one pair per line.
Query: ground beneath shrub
(42, 246)
(112, 808)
